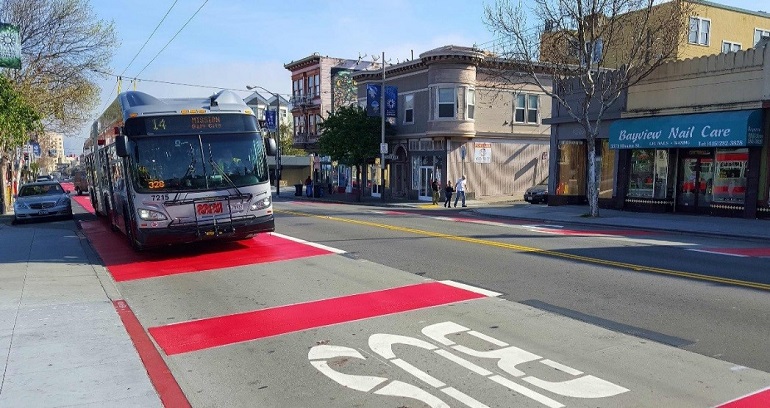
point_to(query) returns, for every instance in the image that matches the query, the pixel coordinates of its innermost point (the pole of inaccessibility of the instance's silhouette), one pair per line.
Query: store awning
(720, 129)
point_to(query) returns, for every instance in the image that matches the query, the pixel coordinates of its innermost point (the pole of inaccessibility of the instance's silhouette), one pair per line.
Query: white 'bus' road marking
(445, 333)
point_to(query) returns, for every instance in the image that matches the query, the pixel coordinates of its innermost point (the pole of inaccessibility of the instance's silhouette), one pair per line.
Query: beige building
(455, 116)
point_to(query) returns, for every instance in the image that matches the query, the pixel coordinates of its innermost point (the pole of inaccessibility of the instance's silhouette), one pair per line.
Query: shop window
(642, 173)
(729, 184)
(607, 170)
(650, 173)
(572, 168)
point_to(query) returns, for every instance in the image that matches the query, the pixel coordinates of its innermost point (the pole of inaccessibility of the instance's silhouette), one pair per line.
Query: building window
(446, 102)
(572, 168)
(532, 105)
(310, 86)
(311, 125)
(471, 103)
(729, 184)
(317, 89)
(760, 33)
(525, 109)
(607, 170)
(699, 31)
(729, 46)
(408, 108)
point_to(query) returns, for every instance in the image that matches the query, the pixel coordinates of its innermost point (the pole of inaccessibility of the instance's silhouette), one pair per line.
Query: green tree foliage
(64, 48)
(18, 120)
(351, 137)
(286, 141)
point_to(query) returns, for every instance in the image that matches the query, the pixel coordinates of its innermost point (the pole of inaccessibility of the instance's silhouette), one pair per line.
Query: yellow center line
(623, 265)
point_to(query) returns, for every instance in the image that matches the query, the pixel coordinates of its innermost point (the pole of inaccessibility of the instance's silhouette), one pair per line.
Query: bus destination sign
(190, 124)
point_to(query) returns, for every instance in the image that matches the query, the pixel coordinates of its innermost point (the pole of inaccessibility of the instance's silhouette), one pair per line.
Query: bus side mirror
(270, 146)
(121, 146)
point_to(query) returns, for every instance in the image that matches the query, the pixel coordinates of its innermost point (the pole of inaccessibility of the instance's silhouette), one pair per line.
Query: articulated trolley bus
(170, 171)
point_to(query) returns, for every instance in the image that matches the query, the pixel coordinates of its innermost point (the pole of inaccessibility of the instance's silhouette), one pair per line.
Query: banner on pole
(374, 97)
(10, 46)
(271, 120)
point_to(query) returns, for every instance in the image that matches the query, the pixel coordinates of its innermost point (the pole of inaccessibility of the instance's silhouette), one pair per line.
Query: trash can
(298, 190)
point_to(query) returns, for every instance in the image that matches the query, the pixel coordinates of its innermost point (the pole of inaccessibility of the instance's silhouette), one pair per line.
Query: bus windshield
(202, 162)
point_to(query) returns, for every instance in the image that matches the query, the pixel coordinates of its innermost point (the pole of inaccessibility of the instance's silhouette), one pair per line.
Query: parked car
(80, 182)
(44, 177)
(537, 194)
(41, 200)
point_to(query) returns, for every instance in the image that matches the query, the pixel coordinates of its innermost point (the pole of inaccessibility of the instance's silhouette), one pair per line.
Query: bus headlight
(261, 204)
(150, 215)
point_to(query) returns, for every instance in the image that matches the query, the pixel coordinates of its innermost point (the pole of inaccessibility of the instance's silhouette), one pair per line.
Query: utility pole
(277, 135)
(383, 146)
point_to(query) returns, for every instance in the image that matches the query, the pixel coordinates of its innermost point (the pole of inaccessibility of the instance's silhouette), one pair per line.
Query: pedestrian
(460, 189)
(309, 186)
(434, 186)
(448, 190)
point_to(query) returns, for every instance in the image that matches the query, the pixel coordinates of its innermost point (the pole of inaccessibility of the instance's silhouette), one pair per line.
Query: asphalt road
(653, 285)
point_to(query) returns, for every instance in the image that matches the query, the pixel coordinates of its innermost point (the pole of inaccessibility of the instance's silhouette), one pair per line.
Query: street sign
(384, 148)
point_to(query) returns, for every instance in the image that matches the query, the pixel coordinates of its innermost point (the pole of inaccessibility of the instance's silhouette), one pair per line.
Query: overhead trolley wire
(150, 37)
(172, 38)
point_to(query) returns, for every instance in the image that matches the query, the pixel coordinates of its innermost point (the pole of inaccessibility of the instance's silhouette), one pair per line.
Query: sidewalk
(61, 338)
(576, 214)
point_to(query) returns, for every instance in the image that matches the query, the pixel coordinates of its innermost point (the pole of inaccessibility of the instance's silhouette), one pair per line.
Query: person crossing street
(460, 189)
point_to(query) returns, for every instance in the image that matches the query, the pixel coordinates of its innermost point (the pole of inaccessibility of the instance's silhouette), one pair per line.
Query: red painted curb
(165, 384)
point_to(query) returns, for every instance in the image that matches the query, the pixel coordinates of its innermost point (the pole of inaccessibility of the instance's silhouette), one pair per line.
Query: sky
(229, 44)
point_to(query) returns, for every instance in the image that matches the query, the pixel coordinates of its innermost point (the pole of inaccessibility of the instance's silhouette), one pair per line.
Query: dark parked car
(41, 200)
(537, 194)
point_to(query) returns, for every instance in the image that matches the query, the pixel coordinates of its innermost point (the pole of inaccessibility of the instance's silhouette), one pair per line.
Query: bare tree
(592, 50)
(64, 48)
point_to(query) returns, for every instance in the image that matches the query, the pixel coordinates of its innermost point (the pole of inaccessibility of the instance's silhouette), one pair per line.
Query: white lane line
(706, 251)
(475, 289)
(312, 244)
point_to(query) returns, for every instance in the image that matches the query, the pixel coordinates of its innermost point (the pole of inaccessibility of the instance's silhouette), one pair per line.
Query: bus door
(695, 178)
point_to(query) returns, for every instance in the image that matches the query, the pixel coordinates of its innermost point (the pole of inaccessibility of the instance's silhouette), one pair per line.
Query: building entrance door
(696, 174)
(426, 176)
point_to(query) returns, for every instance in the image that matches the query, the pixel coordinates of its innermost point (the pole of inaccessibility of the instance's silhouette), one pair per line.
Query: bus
(174, 171)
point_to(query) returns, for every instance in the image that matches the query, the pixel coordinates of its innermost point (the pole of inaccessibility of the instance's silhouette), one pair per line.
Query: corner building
(457, 114)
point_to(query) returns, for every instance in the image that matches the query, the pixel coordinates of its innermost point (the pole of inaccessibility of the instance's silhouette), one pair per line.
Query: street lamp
(277, 135)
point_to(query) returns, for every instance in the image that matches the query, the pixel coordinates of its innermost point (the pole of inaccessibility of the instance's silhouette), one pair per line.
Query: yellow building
(715, 28)
(711, 28)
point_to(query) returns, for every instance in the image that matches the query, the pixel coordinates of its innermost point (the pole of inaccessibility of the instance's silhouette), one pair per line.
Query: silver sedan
(41, 200)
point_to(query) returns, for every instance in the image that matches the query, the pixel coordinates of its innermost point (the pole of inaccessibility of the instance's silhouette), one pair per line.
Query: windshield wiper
(219, 170)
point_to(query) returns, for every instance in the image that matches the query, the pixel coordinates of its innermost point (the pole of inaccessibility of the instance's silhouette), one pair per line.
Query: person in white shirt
(460, 190)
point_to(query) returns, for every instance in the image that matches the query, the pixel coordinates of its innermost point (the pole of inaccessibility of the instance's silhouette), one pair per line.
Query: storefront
(706, 163)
